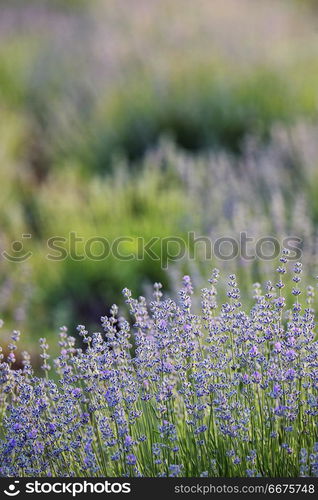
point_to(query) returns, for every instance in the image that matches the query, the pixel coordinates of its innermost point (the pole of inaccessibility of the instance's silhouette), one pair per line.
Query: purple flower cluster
(221, 391)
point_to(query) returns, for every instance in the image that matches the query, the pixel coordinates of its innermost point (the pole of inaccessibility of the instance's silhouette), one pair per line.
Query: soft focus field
(145, 118)
(152, 120)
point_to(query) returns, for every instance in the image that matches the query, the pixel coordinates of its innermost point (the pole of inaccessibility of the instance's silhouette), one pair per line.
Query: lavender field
(225, 392)
(161, 157)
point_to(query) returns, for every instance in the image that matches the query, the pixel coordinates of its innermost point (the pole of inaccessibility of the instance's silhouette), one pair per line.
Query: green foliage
(200, 107)
(86, 88)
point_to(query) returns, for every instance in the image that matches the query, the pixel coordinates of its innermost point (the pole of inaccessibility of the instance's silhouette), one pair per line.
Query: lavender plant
(222, 391)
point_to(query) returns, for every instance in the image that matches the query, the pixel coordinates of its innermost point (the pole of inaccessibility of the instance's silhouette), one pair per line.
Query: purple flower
(276, 391)
(131, 459)
(128, 441)
(257, 377)
(32, 434)
(291, 355)
(17, 427)
(51, 428)
(245, 379)
(106, 374)
(253, 351)
(76, 393)
(11, 444)
(162, 324)
(111, 397)
(11, 357)
(175, 470)
(290, 374)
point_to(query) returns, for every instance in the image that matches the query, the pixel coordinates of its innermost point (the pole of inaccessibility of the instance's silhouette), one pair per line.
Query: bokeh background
(149, 118)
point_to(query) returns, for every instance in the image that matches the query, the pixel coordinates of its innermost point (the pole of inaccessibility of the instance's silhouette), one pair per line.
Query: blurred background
(143, 118)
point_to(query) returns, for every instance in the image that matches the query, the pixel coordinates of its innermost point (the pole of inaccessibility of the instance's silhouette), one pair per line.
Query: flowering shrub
(223, 392)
